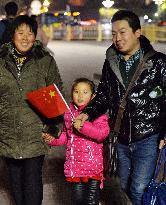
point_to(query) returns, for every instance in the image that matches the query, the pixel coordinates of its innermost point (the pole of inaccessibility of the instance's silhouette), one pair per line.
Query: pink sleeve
(62, 140)
(98, 129)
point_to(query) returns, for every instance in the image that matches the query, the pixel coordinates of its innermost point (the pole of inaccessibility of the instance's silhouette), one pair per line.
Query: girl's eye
(75, 91)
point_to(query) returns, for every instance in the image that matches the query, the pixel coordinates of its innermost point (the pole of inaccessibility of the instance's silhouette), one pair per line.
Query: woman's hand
(47, 137)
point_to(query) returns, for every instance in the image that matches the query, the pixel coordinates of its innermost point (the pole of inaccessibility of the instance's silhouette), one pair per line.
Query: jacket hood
(37, 51)
(145, 44)
(112, 57)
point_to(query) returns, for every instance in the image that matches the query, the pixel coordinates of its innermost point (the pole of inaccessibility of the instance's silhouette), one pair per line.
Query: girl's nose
(80, 93)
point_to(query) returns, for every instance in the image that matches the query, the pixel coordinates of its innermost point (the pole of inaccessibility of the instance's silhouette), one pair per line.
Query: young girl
(84, 159)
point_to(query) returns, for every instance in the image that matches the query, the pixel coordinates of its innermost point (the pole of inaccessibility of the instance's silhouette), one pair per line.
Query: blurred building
(147, 2)
(77, 2)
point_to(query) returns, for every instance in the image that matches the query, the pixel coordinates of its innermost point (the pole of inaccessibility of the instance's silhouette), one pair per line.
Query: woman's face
(23, 38)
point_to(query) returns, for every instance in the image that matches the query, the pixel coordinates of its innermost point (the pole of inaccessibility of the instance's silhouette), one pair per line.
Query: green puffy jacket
(20, 125)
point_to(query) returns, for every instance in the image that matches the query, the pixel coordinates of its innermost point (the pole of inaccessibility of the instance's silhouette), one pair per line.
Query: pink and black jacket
(84, 154)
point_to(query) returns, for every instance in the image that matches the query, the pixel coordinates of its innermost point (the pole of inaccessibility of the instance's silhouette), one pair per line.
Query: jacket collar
(112, 56)
(75, 108)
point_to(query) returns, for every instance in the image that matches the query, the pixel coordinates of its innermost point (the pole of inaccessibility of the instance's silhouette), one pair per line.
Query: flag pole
(64, 100)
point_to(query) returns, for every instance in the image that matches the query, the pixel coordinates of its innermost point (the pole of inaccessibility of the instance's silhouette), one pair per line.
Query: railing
(97, 32)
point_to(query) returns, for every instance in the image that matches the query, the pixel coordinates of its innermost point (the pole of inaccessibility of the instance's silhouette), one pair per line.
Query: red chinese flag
(49, 101)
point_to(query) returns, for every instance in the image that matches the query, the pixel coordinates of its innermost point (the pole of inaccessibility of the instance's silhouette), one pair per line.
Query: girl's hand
(47, 137)
(79, 121)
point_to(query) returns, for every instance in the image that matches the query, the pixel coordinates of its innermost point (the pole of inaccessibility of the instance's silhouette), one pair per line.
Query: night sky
(88, 11)
(91, 8)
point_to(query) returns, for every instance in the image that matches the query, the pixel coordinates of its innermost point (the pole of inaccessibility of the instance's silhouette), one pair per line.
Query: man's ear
(138, 33)
(93, 96)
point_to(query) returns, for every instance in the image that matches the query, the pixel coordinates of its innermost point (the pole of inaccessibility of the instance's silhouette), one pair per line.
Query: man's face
(125, 40)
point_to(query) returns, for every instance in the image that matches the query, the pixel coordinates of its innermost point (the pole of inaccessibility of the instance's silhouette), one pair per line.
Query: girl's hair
(25, 19)
(83, 80)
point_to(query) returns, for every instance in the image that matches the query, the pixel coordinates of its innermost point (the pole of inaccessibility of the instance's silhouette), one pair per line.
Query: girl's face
(23, 38)
(82, 94)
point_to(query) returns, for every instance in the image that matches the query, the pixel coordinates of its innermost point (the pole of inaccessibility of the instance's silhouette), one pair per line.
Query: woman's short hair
(25, 19)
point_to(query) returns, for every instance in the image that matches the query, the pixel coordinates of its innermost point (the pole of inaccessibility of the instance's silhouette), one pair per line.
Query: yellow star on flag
(52, 93)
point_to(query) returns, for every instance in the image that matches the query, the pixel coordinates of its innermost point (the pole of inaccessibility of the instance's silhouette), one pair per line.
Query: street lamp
(46, 3)
(35, 7)
(158, 3)
(108, 3)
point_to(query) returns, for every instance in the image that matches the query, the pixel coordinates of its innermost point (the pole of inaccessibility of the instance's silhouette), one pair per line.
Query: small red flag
(49, 101)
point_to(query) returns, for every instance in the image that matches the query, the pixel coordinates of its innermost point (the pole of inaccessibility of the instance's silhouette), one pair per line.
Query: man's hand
(79, 121)
(162, 143)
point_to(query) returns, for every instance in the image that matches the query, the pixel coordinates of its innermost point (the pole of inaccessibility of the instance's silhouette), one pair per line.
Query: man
(11, 9)
(143, 123)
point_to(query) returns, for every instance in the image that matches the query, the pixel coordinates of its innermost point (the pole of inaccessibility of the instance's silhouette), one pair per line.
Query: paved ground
(74, 59)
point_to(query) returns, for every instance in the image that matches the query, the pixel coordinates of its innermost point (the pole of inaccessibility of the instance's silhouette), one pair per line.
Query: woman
(24, 66)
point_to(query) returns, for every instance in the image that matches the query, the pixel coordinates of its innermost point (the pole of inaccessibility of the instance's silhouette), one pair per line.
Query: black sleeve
(99, 104)
(163, 103)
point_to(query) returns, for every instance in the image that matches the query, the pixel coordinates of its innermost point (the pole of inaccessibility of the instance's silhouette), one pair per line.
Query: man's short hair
(129, 16)
(11, 8)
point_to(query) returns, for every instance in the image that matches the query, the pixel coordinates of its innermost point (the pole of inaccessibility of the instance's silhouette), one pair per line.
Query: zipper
(129, 126)
(72, 155)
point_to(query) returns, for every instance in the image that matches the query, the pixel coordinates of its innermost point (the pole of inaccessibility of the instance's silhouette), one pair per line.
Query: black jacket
(145, 113)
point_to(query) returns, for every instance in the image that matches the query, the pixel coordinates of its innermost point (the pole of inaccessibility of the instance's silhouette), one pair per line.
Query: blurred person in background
(143, 123)
(41, 36)
(11, 10)
(25, 65)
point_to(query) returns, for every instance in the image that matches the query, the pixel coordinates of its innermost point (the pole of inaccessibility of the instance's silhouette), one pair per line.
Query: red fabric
(48, 101)
(83, 179)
